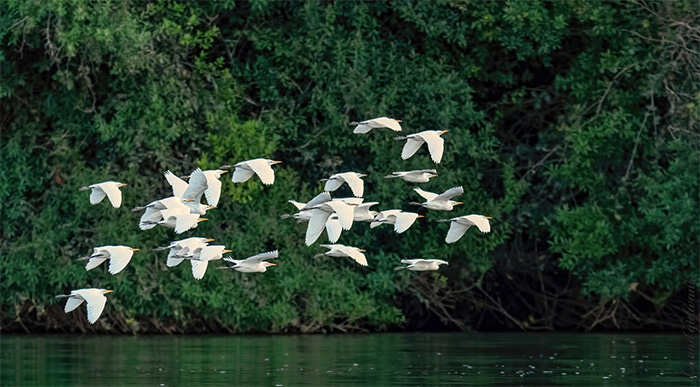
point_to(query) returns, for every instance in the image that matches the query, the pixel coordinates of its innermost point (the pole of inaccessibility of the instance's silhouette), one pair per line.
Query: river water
(413, 359)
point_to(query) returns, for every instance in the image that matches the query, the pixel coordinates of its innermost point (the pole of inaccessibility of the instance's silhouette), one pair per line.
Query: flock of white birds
(184, 210)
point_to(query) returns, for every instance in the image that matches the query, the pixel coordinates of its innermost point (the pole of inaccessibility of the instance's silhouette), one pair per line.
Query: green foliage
(569, 122)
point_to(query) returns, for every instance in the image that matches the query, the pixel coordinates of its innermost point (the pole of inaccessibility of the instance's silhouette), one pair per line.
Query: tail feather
(63, 296)
(84, 188)
(399, 138)
(139, 208)
(391, 176)
(400, 268)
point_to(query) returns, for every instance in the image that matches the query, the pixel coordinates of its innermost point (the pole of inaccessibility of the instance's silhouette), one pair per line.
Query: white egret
(205, 183)
(200, 259)
(401, 220)
(153, 213)
(246, 169)
(94, 297)
(119, 257)
(183, 248)
(422, 264)
(345, 251)
(361, 214)
(109, 189)
(254, 264)
(320, 215)
(376, 123)
(417, 176)
(440, 202)
(179, 218)
(353, 179)
(436, 144)
(304, 213)
(459, 225)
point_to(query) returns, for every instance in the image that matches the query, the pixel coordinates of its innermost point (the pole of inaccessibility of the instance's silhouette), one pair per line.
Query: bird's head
(201, 219)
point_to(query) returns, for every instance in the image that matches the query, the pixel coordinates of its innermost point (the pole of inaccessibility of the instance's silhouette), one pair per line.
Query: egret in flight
(304, 209)
(417, 176)
(95, 299)
(154, 211)
(254, 264)
(119, 257)
(345, 251)
(181, 219)
(354, 180)
(422, 264)
(459, 225)
(440, 202)
(376, 123)
(200, 259)
(109, 189)
(246, 169)
(401, 220)
(362, 214)
(205, 183)
(183, 247)
(320, 215)
(436, 144)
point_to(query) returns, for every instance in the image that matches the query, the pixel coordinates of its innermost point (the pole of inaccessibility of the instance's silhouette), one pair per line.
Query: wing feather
(316, 224)
(197, 186)
(357, 185)
(425, 194)
(388, 123)
(179, 186)
(333, 229)
(242, 173)
(213, 192)
(436, 144)
(411, 147)
(95, 303)
(262, 256)
(263, 169)
(404, 221)
(456, 231)
(450, 193)
(72, 303)
(97, 195)
(334, 182)
(480, 221)
(344, 211)
(119, 257)
(199, 268)
(355, 254)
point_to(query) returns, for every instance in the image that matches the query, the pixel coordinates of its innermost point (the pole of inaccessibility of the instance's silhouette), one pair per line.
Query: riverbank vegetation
(574, 124)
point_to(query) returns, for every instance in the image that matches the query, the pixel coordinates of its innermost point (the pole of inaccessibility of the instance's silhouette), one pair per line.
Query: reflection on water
(462, 359)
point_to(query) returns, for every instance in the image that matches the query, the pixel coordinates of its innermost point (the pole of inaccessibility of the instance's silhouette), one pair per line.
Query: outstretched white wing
(355, 182)
(450, 193)
(355, 254)
(94, 262)
(210, 253)
(95, 303)
(184, 222)
(298, 205)
(425, 194)
(334, 182)
(361, 128)
(344, 211)
(242, 173)
(319, 199)
(179, 185)
(333, 229)
(404, 220)
(457, 230)
(388, 123)
(113, 193)
(213, 192)
(316, 224)
(197, 186)
(72, 303)
(480, 221)
(263, 169)
(411, 147)
(199, 268)
(261, 257)
(119, 257)
(436, 144)
(97, 194)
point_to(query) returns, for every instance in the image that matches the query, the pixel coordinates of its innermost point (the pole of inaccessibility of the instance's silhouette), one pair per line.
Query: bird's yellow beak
(276, 162)
(361, 250)
(227, 251)
(209, 240)
(421, 216)
(458, 203)
(271, 264)
(488, 217)
(444, 131)
(211, 207)
(433, 175)
(223, 171)
(202, 219)
(108, 291)
(399, 121)
(123, 184)
(135, 249)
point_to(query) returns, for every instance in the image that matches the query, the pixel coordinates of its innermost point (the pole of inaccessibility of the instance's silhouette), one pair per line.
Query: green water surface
(417, 359)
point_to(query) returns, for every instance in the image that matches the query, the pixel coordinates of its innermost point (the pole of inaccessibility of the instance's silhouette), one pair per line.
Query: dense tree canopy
(574, 123)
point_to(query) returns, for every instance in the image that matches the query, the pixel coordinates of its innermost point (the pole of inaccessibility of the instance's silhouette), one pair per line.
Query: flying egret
(205, 183)
(119, 257)
(200, 259)
(95, 299)
(183, 247)
(440, 202)
(353, 179)
(254, 264)
(417, 176)
(246, 169)
(435, 144)
(154, 211)
(459, 225)
(422, 264)
(376, 123)
(304, 213)
(401, 220)
(109, 189)
(320, 215)
(345, 251)
(361, 214)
